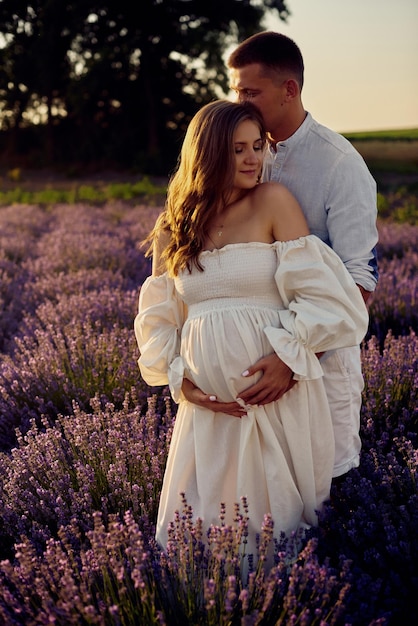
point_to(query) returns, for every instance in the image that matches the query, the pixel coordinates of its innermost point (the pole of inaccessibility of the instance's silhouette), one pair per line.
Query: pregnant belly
(216, 352)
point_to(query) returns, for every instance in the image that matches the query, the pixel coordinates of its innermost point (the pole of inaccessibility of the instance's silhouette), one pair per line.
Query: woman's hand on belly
(196, 396)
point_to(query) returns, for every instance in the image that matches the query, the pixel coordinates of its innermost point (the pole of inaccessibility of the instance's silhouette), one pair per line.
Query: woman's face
(249, 150)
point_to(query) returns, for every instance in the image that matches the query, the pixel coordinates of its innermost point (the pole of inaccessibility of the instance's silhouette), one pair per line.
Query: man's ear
(292, 89)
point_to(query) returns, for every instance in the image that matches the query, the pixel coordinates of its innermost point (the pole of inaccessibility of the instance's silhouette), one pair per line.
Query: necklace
(218, 229)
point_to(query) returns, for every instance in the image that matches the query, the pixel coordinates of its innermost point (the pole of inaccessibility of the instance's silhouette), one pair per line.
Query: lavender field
(83, 445)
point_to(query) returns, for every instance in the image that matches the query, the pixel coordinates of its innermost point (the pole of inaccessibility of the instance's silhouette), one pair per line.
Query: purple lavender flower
(80, 479)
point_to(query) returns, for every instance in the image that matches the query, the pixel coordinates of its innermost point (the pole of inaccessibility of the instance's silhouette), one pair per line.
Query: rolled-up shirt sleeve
(351, 218)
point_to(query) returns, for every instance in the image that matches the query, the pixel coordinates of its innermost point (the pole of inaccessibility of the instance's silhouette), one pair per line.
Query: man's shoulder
(330, 139)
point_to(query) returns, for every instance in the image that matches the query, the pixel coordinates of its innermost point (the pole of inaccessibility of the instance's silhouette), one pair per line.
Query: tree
(125, 76)
(34, 61)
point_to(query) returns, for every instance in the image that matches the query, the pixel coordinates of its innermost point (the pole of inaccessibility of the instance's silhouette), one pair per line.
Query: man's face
(267, 94)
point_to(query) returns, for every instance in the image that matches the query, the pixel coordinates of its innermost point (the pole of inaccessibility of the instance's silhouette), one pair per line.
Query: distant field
(398, 151)
(404, 134)
(388, 147)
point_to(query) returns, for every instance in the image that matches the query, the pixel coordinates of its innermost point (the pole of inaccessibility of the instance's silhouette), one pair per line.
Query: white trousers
(344, 384)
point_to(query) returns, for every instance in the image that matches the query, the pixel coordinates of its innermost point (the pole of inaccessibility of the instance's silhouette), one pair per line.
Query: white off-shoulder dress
(294, 298)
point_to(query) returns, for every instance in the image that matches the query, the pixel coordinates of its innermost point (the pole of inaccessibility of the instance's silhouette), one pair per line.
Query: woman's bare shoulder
(273, 191)
(281, 208)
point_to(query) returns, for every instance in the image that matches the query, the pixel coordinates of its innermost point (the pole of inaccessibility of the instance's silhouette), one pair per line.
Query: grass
(17, 191)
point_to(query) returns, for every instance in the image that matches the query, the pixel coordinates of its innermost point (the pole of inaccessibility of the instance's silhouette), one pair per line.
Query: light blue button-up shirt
(336, 191)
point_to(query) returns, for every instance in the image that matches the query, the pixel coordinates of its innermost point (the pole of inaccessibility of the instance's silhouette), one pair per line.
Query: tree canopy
(113, 81)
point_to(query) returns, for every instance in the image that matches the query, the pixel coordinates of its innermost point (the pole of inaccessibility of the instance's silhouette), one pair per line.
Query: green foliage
(144, 188)
(128, 191)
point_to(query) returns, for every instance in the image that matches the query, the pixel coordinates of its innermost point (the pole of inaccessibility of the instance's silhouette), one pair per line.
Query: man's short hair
(271, 50)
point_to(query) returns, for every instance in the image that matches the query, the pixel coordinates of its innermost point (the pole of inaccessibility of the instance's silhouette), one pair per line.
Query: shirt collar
(297, 135)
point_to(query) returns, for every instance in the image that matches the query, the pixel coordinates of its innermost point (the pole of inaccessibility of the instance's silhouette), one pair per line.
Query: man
(338, 196)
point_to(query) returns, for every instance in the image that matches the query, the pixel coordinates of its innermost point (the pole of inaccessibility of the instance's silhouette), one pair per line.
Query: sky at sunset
(361, 61)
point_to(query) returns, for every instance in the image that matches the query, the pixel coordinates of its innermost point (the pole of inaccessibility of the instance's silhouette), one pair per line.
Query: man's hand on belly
(275, 381)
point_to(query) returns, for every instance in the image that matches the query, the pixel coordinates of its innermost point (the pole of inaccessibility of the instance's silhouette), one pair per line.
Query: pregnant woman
(237, 276)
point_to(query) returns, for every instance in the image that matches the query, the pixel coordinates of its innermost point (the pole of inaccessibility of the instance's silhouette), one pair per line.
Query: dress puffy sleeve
(323, 307)
(158, 324)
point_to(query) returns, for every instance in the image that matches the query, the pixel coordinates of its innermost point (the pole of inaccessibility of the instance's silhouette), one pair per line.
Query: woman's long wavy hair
(202, 183)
